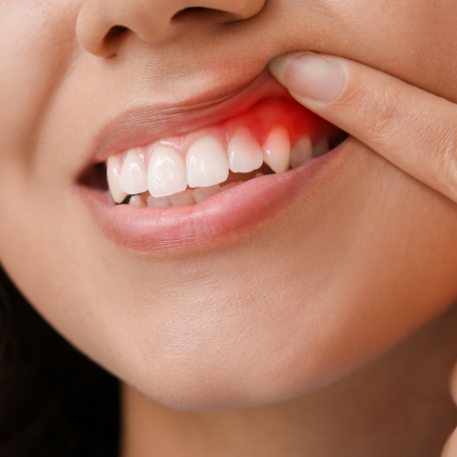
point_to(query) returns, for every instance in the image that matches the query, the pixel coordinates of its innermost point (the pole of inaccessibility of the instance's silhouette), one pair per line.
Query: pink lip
(228, 215)
(144, 125)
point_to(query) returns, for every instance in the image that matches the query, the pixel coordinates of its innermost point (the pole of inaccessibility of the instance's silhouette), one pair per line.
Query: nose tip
(101, 24)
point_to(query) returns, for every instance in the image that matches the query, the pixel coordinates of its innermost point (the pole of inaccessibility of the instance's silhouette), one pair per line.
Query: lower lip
(228, 216)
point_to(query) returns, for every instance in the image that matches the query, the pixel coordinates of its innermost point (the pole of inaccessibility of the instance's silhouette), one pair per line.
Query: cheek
(36, 41)
(416, 35)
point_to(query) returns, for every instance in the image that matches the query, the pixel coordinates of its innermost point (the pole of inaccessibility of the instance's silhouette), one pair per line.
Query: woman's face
(354, 262)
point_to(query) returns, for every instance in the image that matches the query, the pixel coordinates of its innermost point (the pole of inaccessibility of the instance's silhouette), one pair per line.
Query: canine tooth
(244, 153)
(301, 152)
(158, 202)
(136, 200)
(113, 170)
(166, 172)
(182, 198)
(133, 177)
(203, 193)
(206, 162)
(276, 150)
(321, 147)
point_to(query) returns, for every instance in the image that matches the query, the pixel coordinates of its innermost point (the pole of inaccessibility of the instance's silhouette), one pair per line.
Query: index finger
(412, 128)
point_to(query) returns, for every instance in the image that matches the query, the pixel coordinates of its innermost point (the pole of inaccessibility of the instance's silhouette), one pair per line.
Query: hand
(413, 129)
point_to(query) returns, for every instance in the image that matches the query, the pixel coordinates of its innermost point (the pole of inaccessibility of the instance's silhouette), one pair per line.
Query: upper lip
(145, 124)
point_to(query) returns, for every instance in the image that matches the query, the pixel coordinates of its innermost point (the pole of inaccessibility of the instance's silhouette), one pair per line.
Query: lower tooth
(137, 201)
(158, 202)
(321, 147)
(182, 198)
(301, 152)
(203, 193)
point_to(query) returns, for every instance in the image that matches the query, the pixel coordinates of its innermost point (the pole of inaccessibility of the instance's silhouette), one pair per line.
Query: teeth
(203, 193)
(244, 152)
(133, 176)
(174, 181)
(301, 152)
(113, 169)
(137, 201)
(206, 162)
(158, 202)
(182, 199)
(276, 150)
(321, 147)
(167, 172)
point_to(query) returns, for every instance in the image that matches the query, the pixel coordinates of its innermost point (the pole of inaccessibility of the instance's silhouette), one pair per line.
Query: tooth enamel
(206, 162)
(203, 193)
(182, 198)
(166, 173)
(133, 177)
(136, 200)
(276, 150)
(301, 152)
(113, 170)
(244, 153)
(321, 147)
(158, 202)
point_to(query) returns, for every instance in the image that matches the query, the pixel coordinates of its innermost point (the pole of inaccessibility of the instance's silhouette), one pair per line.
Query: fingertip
(312, 76)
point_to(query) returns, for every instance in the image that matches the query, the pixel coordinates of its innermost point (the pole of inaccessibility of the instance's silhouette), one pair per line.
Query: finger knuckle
(379, 109)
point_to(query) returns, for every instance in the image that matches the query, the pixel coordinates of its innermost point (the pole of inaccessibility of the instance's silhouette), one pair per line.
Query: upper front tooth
(167, 172)
(113, 170)
(133, 177)
(244, 153)
(206, 162)
(301, 151)
(277, 150)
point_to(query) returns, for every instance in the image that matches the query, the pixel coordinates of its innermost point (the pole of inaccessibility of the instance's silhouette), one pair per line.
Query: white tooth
(136, 200)
(166, 173)
(133, 177)
(158, 202)
(206, 162)
(276, 150)
(244, 153)
(182, 199)
(321, 147)
(203, 193)
(113, 170)
(301, 152)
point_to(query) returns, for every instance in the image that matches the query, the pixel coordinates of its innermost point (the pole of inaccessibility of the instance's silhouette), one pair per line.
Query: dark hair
(54, 402)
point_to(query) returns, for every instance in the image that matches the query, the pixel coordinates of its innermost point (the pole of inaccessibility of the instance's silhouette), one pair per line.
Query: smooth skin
(220, 352)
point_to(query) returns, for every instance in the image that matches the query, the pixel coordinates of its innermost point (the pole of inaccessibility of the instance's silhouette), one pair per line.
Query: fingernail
(318, 78)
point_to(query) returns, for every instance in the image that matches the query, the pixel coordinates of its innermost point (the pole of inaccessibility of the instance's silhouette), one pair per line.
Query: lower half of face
(353, 260)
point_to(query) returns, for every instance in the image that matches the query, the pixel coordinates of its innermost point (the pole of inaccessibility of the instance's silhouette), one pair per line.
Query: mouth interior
(273, 136)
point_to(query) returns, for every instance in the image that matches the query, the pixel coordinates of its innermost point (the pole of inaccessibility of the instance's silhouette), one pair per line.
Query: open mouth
(207, 183)
(273, 136)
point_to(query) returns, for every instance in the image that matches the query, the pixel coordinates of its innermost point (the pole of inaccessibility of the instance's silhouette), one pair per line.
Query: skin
(353, 271)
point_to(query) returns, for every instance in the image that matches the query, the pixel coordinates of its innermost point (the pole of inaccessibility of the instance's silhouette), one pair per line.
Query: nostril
(115, 32)
(196, 12)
